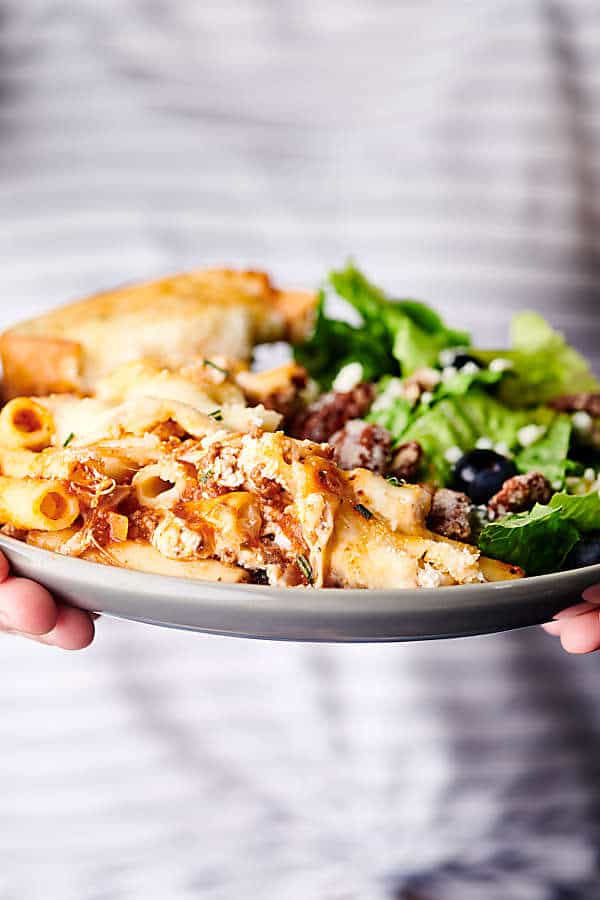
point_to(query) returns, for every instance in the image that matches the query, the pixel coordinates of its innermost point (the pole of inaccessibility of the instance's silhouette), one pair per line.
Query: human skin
(29, 610)
(579, 627)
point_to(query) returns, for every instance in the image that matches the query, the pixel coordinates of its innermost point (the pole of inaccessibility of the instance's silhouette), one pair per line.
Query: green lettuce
(415, 345)
(367, 299)
(395, 336)
(395, 416)
(333, 344)
(416, 332)
(544, 365)
(548, 455)
(461, 383)
(539, 541)
(582, 510)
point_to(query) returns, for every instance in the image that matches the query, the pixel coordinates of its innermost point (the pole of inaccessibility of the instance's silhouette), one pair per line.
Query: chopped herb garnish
(306, 568)
(205, 476)
(217, 415)
(68, 439)
(397, 482)
(364, 512)
(209, 362)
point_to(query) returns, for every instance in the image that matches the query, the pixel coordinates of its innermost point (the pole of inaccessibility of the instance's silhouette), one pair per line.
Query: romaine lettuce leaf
(582, 510)
(544, 365)
(462, 382)
(367, 299)
(395, 416)
(416, 332)
(538, 541)
(419, 335)
(549, 454)
(436, 431)
(395, 336)
(333, 344)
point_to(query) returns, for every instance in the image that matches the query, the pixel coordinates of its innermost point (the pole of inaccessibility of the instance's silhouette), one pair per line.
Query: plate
(301, 614)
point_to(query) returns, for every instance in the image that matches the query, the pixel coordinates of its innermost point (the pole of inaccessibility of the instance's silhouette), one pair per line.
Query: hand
(579, 627)
(27, 609)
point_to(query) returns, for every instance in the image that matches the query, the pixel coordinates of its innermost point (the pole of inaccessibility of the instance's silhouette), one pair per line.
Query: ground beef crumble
(584, 402)
(421, 380)
(406, 461)
(319, 421)
(520, 493)
(450, 514)
(360, 444)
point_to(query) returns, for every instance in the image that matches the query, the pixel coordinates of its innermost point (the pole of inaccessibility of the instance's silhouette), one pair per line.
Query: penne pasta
(161, 485)
(25, 424)
(144, 558)
(36, 503)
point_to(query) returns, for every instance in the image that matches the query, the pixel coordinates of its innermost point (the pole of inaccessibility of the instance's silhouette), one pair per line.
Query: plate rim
(148, 579)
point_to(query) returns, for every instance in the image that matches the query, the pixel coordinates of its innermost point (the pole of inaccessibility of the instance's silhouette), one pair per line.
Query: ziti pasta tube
(36, 503)
(159, 485)
(25, 425)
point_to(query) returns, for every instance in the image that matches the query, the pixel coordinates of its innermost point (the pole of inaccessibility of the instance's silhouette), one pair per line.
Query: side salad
(508, 439)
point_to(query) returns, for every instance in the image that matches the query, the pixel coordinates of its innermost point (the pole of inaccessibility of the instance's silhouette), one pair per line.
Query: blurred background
(453, 150)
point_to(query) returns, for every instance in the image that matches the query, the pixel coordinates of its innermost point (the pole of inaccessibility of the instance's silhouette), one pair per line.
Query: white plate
(301, 614)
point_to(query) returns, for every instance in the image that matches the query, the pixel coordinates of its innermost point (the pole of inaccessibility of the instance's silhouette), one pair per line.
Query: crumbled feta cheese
(381, 403)
(453, 454)
(583, 484)
(582, 421)
(426, 397)
(529, 434)
(500, 365)
(503, 449)
(556, 485)
(428, 577)
(446, 357)
(449, 372)
(393, 390)
(484, 443)
(310, 392)
(174, 539)
(348, 377)
(470, 368)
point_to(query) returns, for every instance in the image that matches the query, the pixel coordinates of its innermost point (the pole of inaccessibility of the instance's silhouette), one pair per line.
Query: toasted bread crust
(211, 311)
(37, 366)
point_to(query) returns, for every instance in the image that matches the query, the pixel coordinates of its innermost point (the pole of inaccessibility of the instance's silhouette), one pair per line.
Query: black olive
(585, 553)
(461, 359)
(481, 473)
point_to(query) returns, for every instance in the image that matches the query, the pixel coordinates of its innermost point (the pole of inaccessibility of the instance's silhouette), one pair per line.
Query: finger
(592, 595)
(73, 630)
(552, 628)
(4, 568)
(582, 633)
(576, 610)
(26, 606)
